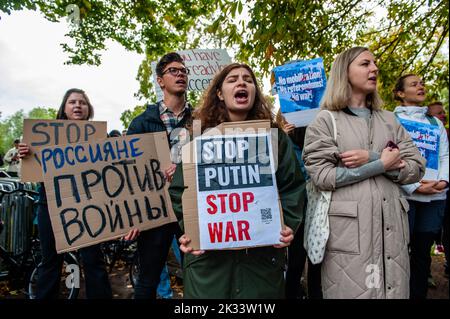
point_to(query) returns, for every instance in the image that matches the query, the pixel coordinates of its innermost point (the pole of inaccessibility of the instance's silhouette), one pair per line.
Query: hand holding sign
(287, 236)
(184, 246)
(24, 150)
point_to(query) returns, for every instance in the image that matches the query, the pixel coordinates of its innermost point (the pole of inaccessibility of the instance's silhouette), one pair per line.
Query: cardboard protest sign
(300, 86)
(203, 64)
(98, 191)
(43, 133)
(426, 137)
(232, 198)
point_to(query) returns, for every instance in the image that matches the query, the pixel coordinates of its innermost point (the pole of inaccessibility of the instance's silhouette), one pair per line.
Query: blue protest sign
(426, 137)
(300, 86)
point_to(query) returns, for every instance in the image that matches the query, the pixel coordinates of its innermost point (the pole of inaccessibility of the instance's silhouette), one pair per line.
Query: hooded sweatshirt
(432, 142)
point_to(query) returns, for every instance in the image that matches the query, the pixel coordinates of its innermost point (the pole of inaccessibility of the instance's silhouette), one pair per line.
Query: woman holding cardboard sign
(366, 253)
(75, 106)
(426, 198)
(235, 96)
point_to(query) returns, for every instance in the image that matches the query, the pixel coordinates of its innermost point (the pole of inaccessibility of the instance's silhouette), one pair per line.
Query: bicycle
(122, 250)
(21, 267)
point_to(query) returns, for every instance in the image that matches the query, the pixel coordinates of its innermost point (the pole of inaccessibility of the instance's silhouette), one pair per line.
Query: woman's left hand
(287, 235)
(355, 158)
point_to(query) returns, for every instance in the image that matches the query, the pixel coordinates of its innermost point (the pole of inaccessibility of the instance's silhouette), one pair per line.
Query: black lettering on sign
(131, 215)
(73, 138)
(161, 181)
(105, 183)
(125, 164)
(71, 222)
(87, 224)
(35, 130)
(56, 127)
(89, 130)
(73, 185)
(146, 179)
(87, 185)
(117, 219)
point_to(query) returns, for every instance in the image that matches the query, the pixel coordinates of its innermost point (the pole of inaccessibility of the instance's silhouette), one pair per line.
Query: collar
(163, 108)
(413, 111)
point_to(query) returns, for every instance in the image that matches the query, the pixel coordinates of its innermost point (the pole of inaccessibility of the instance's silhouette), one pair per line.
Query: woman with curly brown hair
(232, 96)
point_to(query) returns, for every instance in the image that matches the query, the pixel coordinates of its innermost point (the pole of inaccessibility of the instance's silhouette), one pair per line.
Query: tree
(11, 127)
(405, 35)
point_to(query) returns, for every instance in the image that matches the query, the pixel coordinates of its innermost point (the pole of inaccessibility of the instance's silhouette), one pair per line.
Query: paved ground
(122, 288)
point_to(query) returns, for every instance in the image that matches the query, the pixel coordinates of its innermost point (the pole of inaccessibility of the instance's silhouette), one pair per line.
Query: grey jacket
(367, 250)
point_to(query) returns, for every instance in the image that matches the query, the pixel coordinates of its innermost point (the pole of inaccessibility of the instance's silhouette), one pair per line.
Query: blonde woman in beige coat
(367, 250)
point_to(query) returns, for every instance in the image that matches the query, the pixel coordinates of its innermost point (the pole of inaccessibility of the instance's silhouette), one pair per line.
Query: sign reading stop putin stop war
(237, 194)
(43, 133)
(100, 190)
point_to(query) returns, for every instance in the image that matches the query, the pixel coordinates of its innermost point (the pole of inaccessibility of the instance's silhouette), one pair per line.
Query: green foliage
(43, 113)
(407, 40)
(11, 127)
(405, 35)
(127, 116)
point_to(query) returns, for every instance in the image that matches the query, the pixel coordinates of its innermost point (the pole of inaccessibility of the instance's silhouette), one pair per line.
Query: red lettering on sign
(216, 234)
(233, 202)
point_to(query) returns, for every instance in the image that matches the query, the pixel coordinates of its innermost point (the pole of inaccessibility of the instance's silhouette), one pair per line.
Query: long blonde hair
(339, 90)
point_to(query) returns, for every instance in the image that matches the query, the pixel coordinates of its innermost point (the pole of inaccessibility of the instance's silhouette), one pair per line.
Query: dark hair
(400, 86)
(212, 110)
(62, 109)
(436, 103)
(16, 141)
(114, 133)
(167, 59)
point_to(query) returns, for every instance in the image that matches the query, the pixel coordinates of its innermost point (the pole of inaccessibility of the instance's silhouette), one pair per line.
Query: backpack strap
(432, 120)
(334, 125)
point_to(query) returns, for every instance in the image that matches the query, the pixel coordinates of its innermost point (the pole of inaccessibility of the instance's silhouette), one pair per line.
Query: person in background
(75, 106)
(436, 109)
(114, 133)
(426, 197)
(170, 115)
(367, 250)
(12, 160)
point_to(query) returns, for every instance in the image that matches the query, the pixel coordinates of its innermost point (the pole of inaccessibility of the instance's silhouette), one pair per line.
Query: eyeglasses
(176, 71)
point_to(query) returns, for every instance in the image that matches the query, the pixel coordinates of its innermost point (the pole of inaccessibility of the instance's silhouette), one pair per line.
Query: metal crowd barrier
(16, 212)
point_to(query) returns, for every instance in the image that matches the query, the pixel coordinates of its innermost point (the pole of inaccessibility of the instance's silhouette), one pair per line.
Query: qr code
(266, 215)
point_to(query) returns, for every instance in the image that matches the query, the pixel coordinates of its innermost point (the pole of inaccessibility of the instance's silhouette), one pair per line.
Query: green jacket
(246, 273)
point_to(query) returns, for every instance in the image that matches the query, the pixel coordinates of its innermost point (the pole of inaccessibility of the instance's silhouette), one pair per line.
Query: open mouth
(77, 113)
(421, 93)
(183, 82)
(241, 96)
(373, 78)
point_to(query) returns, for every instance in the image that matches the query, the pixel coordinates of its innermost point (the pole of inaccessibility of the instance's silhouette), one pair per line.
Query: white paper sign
(237, 192)
(203, 64)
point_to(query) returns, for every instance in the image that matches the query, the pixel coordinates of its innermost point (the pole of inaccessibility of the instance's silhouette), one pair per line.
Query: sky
(32, 70)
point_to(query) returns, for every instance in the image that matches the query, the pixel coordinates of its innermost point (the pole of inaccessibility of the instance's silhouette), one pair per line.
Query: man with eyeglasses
(170, 115)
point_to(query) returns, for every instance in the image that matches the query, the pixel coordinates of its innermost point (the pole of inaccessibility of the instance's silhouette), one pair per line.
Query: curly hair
(212, 111)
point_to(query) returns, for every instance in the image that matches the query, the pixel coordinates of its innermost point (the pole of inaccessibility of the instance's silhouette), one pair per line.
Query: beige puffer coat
(367, 250)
